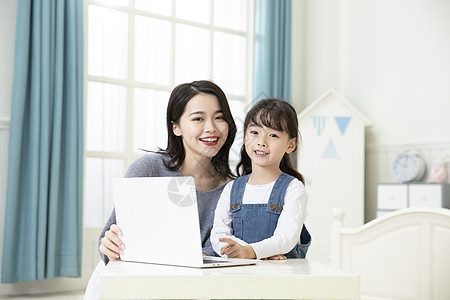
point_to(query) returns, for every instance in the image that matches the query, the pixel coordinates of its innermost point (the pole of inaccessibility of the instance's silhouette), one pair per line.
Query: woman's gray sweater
(152, 165)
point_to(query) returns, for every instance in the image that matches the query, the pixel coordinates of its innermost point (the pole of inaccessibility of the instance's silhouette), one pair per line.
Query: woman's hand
(111, 245)
(275, 257)
(236, 250)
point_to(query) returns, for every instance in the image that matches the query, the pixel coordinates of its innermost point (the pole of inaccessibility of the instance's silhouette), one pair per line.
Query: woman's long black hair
(178, 100)
(276, 114)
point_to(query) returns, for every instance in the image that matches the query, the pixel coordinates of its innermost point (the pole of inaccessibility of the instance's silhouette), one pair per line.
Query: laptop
(158, 217)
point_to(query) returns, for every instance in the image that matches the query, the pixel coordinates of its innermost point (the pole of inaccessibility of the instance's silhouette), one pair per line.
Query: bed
(402, 255)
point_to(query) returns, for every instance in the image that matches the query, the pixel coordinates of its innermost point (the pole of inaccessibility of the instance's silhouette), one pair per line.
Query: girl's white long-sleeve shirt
(289, 226)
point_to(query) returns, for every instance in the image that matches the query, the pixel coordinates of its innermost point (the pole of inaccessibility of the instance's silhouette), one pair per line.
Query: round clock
(409, 166)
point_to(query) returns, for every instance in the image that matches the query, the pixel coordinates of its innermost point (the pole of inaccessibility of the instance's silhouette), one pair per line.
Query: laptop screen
(159, 220)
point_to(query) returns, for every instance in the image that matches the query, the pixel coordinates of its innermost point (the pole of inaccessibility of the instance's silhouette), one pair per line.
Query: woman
(200, 131)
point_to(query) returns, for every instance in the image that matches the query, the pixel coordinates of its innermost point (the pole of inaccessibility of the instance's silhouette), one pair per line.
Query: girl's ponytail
(287, 167)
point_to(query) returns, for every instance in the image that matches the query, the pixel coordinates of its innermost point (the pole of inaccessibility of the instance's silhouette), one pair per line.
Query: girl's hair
(276, 114)
(178, 100)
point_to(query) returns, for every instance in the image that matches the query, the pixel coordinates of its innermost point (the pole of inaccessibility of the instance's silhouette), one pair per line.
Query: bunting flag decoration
(319, 123)
(342, 123)
(330, 151)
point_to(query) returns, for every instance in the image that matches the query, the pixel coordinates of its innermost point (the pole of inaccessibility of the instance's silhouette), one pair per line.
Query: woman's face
(202, 126)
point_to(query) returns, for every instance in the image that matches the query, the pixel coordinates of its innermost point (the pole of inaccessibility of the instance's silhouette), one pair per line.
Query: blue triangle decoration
(330, 151)
(342, 123)
(319, 123)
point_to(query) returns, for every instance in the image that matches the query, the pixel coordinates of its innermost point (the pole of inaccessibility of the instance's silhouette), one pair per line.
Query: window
(136, 53)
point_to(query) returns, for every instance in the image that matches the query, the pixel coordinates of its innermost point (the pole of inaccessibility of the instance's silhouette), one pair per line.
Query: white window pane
(231, 14)
(113, 2)
(229, 68)
(238, 110)
(106, 117)
(162, 7)
(193, 10)
(192, 58)
(98, 201)
(107, 42)
(149, 121)
(152, 50)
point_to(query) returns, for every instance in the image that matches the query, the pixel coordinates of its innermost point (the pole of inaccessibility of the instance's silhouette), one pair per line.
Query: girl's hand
(111, 245)
(236, 250)
(275, 257)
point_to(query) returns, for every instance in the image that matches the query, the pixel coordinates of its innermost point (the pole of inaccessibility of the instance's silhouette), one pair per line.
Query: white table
(289, 279)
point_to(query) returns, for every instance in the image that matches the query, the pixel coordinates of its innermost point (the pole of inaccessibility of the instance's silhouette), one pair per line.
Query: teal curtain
(43, 218)
(272, 50)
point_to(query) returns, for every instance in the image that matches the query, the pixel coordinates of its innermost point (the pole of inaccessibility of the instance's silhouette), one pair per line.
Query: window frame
(130, 84)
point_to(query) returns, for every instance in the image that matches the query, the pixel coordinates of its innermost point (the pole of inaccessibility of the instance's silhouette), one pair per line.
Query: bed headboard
(401, 255)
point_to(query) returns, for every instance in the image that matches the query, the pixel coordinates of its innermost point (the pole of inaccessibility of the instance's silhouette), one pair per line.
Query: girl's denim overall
(256, 222)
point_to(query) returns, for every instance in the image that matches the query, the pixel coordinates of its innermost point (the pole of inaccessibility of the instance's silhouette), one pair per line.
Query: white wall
(395, 65)
(321, 48)
(390, 58)
(7, 36)
(297, 67)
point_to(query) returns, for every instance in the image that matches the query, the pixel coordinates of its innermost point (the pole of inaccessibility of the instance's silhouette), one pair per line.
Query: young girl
(261, 214)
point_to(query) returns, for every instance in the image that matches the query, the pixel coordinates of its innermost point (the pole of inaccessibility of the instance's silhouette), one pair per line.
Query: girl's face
(266, 146)
(202, 126)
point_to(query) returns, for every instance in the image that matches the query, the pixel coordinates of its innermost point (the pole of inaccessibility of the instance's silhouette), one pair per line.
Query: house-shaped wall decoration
(331, 158)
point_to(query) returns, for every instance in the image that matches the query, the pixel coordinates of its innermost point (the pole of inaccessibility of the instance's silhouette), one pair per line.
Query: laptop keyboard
(209, 260)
